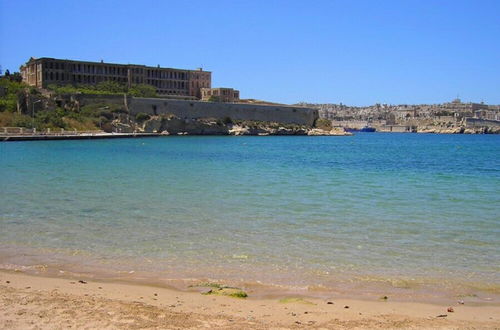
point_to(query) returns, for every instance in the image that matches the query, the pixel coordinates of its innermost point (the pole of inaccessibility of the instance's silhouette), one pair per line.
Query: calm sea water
(366, 213)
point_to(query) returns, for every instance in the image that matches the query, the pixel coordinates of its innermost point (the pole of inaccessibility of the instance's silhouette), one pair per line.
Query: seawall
(236, 111)
(476, 122)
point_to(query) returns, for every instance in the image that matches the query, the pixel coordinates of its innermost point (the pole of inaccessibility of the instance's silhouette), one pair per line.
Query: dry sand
(35, 302)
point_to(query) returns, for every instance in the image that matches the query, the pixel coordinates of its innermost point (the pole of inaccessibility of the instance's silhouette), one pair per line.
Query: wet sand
(28, 301)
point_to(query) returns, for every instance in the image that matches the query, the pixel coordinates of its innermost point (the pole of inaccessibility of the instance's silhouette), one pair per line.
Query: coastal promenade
(6, 137)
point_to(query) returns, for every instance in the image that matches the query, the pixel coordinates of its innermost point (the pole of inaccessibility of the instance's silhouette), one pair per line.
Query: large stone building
(41, 72)
(220, 94)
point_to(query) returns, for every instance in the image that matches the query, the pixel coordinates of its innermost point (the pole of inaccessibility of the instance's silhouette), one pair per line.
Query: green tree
(10, 91)
(111, 86)
(142, 90)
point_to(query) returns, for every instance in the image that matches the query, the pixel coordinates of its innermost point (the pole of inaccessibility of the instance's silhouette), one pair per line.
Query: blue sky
(354, 52)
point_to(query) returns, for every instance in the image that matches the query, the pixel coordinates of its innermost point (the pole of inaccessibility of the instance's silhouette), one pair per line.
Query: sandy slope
(33, 302)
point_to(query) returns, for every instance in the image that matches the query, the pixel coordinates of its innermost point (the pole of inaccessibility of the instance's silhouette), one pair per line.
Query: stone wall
(84, 99)
(235, 111)
(475, 122)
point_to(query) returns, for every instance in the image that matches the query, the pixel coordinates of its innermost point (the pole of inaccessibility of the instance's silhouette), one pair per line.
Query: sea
(410, 216)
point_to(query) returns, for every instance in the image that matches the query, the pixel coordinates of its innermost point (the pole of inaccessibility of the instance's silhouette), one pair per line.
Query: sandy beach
(36, 302)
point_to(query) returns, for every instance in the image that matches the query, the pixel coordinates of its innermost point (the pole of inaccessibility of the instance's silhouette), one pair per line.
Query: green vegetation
(89, 117)
(230, 292)
(93, 116)
(10, 90)
(141, 116)
(106, 87)
(222, 290)
(295, 300)
(213, 98)
(14, 119)
(237, 294)
(142, 90)
(324, 124)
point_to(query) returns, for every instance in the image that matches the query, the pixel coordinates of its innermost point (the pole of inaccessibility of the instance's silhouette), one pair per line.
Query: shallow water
(402, 211)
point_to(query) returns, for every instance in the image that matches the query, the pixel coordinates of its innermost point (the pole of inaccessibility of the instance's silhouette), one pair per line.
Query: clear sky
(332, 51)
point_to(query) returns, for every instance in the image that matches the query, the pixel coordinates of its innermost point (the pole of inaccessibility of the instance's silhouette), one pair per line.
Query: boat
(366, 129)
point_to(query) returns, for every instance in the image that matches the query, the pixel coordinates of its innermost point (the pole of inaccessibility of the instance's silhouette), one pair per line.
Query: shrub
(324, 124)
(142, 90)
(141, 116)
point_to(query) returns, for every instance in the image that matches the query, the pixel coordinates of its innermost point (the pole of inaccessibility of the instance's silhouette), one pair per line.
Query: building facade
(220, 94)
(45, 71)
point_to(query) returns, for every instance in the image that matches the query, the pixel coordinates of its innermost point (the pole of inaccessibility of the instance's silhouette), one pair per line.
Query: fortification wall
(476, 122)
(197, 110)
(84, 99)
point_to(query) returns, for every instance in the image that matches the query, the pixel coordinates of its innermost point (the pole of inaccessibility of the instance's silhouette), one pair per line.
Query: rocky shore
(172, 125)
(458, 130)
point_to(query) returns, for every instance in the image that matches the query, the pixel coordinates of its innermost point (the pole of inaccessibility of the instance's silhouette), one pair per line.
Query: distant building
(41, 72)
(220, 94)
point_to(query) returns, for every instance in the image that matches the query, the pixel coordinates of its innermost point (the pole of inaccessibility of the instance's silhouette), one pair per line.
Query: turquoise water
(365, 213)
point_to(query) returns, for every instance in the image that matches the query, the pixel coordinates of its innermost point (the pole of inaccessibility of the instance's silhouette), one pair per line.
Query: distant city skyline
(351, 52)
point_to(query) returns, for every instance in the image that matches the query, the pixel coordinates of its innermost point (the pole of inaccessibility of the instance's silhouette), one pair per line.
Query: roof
(107, 63)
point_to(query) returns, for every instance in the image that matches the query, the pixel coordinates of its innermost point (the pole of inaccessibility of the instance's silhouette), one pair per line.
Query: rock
(238, 130)
(450, 310)
(122, 127)
(329, 303)
(316, 132)
(346, 306)
(333, 132)
(82, 282)
(461, 302)
(153, 125)
(338, 131)
(442, 315)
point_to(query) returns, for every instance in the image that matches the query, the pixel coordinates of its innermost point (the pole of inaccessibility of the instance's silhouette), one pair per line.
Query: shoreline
(86, 136)
(59, 302)
(357, 285)
(98, 136)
